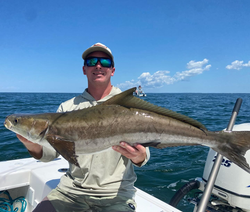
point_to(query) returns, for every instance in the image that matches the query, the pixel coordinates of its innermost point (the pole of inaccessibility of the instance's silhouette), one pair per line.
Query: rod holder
(216, 167)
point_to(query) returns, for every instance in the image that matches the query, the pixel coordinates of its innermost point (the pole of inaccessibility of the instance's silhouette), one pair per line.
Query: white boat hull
(34, 180)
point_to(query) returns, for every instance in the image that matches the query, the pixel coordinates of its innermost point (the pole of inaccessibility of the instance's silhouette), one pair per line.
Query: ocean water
(168, 169)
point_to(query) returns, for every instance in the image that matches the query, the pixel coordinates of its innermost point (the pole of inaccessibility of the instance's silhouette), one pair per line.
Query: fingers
(125, 149)
(140, 148)
(34, 149)
(137, 153)
(22, 139)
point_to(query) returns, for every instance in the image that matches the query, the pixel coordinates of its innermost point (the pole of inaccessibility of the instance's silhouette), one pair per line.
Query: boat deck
(34, 180)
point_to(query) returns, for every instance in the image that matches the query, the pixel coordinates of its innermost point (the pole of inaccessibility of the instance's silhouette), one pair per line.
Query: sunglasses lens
(105, 62)
(91, 61)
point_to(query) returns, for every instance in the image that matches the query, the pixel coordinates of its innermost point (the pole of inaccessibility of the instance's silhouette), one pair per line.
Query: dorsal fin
(119, 99)
(127, 99)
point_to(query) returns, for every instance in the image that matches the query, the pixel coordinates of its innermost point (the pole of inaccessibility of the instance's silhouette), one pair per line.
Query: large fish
(124, 118)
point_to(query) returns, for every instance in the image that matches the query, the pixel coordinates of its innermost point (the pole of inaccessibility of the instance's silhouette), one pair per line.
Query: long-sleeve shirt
(106, 173)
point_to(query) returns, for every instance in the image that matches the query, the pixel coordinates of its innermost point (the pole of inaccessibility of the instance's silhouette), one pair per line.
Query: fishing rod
(216, 167)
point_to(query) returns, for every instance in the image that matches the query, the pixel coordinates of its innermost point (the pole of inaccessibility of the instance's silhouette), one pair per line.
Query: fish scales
(124, 118)
(108, 122)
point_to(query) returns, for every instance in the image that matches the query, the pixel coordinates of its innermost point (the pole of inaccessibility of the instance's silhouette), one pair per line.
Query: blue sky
(164, 45)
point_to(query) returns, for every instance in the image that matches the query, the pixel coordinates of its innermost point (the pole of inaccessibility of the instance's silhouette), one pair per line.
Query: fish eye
(16, 120)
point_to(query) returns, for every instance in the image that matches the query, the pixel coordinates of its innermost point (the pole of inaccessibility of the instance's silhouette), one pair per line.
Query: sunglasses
(92, 61)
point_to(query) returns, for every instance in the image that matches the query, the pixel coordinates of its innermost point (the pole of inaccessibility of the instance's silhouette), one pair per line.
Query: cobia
(124, 118)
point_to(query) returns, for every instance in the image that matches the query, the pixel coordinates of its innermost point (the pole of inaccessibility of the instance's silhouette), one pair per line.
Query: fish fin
(151, 144)
(159, 145)
(127, 99)
(162, 146)
(236, 147)
(64, 148)
(118, 99)
(43, 133)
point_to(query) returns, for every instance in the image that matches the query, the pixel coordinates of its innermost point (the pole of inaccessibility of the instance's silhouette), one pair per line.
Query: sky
(166, 46)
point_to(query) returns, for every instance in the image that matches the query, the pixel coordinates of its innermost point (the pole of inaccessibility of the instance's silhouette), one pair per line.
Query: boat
(32, 180)
(140, 95)
(139, 92)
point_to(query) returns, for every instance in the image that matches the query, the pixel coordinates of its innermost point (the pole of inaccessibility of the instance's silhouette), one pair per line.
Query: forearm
(36, 151)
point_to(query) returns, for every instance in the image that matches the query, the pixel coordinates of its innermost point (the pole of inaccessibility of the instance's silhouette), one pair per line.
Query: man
(104, 181)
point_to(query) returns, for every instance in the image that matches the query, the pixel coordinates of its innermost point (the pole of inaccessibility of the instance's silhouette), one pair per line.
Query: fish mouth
(7, 123)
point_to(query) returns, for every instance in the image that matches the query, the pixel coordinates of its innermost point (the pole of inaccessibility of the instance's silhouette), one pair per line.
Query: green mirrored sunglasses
(92, 61)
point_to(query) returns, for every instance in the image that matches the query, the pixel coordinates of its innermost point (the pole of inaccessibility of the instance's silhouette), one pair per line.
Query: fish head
(30, 127)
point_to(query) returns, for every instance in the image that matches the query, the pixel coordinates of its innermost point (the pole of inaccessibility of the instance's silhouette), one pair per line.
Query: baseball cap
(98, 47)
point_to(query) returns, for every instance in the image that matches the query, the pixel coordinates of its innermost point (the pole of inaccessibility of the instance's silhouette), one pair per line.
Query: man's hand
(136, 154)
(35, 150)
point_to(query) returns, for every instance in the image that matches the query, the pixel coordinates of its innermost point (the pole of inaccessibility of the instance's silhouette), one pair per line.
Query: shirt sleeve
(49, 154)
(60, 109)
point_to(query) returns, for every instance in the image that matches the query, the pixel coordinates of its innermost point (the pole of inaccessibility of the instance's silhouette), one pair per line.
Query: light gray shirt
(106, 173)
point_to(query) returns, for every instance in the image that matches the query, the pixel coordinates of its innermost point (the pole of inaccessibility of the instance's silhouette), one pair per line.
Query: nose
(98, 65)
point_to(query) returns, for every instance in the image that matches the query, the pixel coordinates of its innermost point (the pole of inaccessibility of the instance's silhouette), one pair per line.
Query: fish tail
(238, 143)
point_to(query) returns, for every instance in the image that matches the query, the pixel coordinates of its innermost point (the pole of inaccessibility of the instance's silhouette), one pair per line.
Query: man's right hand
(35, 150)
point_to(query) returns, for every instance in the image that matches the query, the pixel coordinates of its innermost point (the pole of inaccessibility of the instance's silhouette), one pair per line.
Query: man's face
(98, 74)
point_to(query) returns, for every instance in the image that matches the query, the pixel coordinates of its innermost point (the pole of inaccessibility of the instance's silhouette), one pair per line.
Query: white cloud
(237, 65)
(128, 84)
(161, 78)
(158, 79)
(192, 64)
(195, 68)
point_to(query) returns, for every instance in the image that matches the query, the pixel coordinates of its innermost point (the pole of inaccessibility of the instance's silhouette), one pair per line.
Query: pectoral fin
(64, 148)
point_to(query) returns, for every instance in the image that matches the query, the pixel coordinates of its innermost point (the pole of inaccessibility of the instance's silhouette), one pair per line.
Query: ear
(84, 71)
(113, 71)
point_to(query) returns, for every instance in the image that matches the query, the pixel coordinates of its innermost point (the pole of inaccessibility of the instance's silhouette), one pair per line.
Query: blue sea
(168, 169)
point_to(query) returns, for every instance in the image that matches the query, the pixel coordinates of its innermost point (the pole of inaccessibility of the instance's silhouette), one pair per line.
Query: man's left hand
(137, 154)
